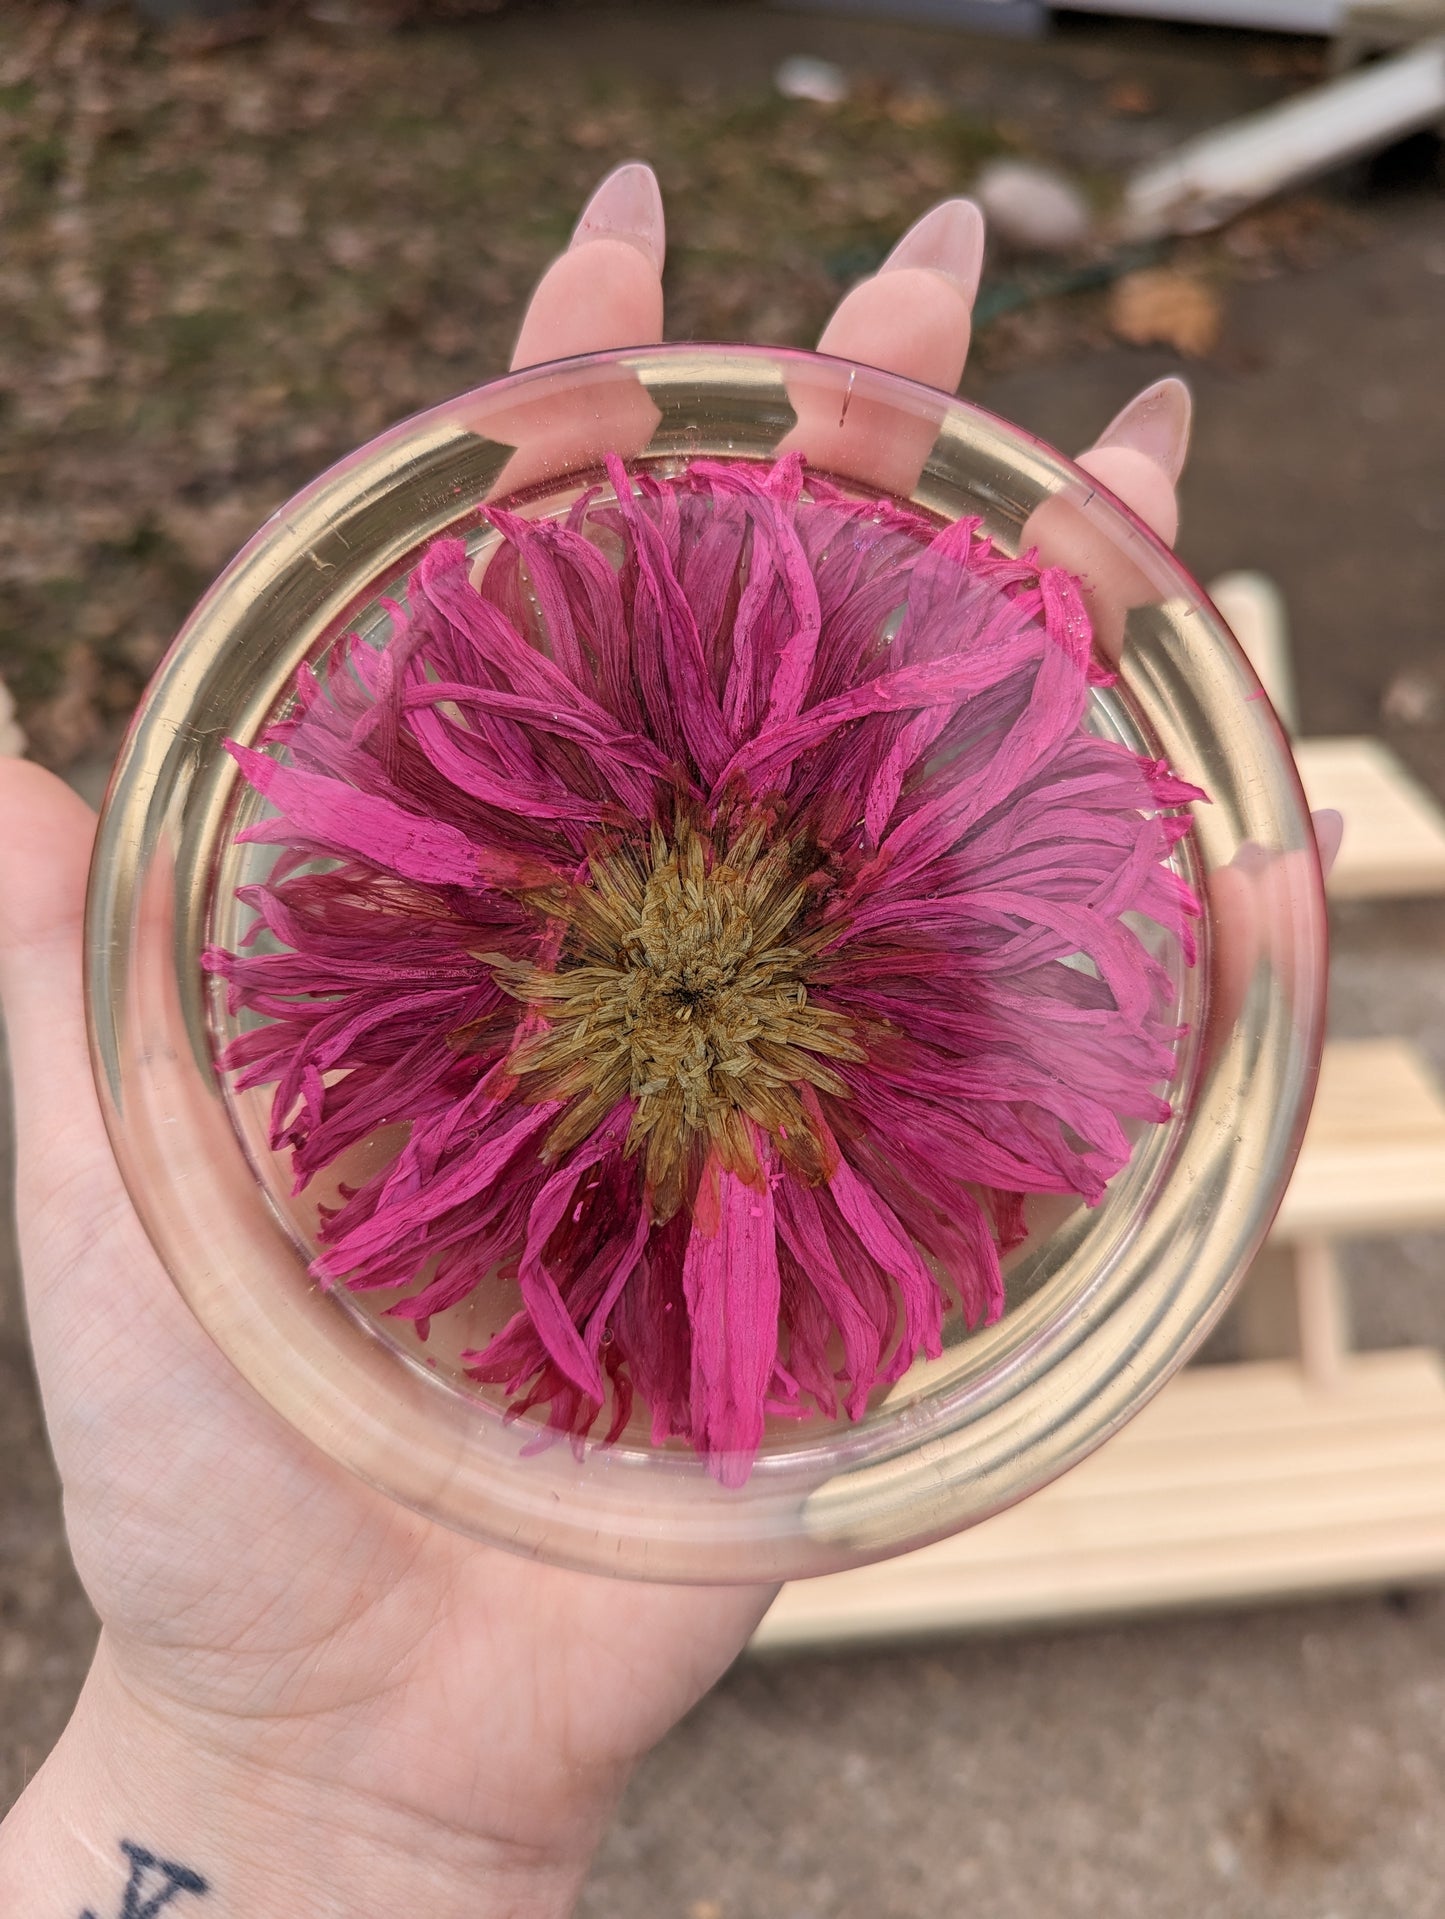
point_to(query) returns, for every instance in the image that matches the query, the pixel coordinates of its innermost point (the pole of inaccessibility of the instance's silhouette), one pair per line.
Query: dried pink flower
(727, 898)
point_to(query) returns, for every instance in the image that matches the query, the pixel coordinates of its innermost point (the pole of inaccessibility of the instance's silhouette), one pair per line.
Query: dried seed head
(682, 985)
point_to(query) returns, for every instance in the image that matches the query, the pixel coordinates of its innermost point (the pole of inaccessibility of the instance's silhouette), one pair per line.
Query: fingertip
(912, 320)
(1140, 482)
(35, 802)
(627, 206)
(1157, 423)
(605, 291)
(1329, 825)
(46, 832)
(593, 298)
(948, 239)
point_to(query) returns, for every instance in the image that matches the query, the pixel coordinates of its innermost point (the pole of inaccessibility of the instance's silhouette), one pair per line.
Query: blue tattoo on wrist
(153, 1884)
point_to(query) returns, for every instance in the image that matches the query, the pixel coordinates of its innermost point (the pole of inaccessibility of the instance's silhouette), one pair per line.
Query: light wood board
(1394, 844)
(1373, 1159)
(1238, 1483)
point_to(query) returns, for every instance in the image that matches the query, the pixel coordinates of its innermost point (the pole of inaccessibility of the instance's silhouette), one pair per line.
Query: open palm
(256, 1600)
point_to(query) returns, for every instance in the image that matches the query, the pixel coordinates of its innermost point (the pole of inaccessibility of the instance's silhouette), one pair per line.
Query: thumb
(104, 1326)
(45, 840)
(67, 1188)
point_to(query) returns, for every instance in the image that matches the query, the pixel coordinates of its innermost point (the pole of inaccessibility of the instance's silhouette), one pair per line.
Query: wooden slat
(1394, 844)
(1238, 1483)
(1253, 608)
(1373, 1159)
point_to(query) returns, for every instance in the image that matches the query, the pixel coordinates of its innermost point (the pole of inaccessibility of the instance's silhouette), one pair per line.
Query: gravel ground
(1278, 1764)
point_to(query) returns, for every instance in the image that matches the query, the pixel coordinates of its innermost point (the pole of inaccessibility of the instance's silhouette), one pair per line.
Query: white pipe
(1209, 180)
(1268, 16)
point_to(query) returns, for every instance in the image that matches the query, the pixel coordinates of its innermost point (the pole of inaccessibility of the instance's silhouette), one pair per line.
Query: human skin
(305, 1698)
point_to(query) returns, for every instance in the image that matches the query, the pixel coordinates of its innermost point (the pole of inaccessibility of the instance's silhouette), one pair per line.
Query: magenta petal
(427, 1183)
(341, 820)
(732, 1283)
(801, 1229)
(540, 1292)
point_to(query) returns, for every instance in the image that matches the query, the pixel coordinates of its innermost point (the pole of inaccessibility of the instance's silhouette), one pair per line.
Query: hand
(302, 1692)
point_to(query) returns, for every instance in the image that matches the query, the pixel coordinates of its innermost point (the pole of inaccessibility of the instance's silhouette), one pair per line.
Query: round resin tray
(805, 1458)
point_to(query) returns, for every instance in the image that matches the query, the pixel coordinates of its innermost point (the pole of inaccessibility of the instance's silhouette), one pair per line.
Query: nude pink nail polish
(1329, 825)
(1156, 424)
(627, 206)
(949, 240)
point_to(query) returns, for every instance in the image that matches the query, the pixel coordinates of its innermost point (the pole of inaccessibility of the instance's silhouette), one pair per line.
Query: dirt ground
(1285, 1764)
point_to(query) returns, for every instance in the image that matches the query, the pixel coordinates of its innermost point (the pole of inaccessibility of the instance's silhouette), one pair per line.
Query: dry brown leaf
(916, 107)
(1129, 98)
(1162, 306)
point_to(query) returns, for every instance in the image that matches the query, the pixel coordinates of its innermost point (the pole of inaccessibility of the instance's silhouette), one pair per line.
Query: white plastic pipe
(1209, 180)
(1268, 16)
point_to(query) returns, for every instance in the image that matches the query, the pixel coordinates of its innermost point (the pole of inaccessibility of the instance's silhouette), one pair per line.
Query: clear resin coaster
(706, 963)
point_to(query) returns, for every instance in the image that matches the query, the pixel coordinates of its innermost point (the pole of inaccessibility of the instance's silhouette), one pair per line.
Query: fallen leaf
(1162, 306)
(915, 107)
(1131, 98)
(589, 134)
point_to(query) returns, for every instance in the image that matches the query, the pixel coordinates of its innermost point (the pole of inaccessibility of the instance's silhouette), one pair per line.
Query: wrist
(246, 1835)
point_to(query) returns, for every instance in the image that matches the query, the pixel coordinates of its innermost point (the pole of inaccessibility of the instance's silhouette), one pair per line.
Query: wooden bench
(1320, 1472)
(1238, 1483)
(1373, 1163)
(1373, 1159)
(1394, 844)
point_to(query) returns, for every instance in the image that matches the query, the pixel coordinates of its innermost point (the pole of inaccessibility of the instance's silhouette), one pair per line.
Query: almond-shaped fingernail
(949, 240)
(627, 206)
(1155, 423)
(1329, 828)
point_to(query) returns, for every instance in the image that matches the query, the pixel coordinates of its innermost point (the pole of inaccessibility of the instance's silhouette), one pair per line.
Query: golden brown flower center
(682, 985)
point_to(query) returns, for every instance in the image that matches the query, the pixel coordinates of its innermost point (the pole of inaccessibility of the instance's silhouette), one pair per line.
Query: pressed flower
(725, 895)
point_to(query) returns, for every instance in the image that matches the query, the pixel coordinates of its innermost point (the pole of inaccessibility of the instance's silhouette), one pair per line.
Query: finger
(69, 1196)
(913, 317)
(604, 292)
(1329, 826)
(606, 289)
(1264, 912)
(1141, 452)
(1139, 457)
(1260, 905)
(45, 840)
(110, 1336)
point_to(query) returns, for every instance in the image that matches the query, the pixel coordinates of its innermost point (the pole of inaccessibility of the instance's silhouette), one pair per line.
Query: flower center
(682, 985)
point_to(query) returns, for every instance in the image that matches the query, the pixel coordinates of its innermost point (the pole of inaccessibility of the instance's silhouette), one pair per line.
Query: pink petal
(732, 1284)
(345, 821)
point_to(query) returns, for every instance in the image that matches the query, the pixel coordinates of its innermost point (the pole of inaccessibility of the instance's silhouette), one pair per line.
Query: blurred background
(238, 241)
